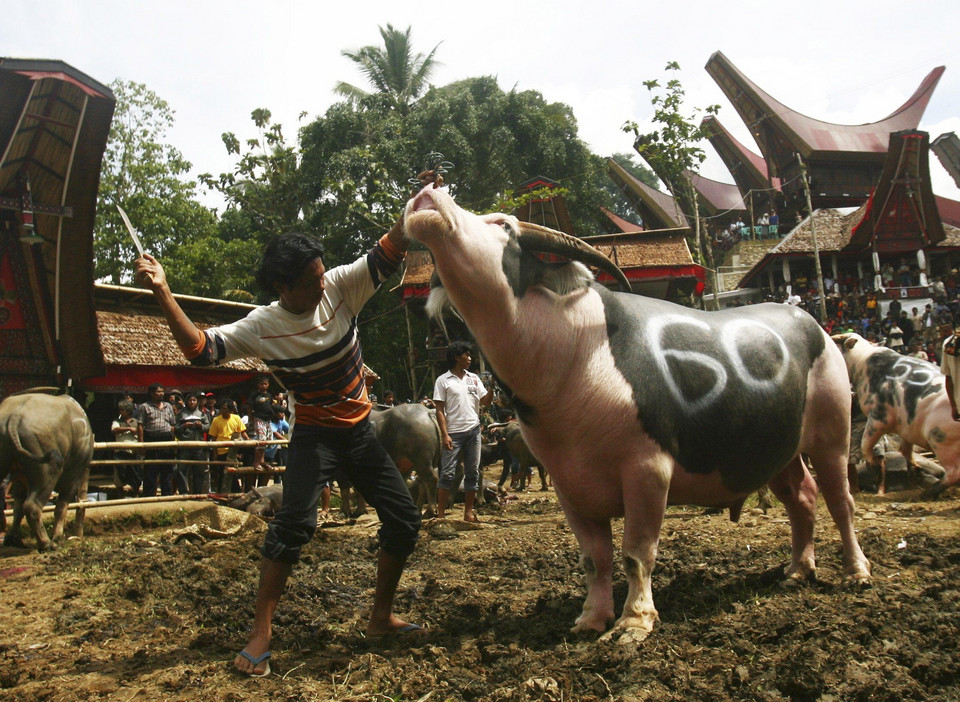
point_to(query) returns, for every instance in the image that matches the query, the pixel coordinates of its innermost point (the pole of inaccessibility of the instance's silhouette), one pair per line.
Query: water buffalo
(409, 433)
(905, 396)
(685, 406)
(46, 443)
(260, 501)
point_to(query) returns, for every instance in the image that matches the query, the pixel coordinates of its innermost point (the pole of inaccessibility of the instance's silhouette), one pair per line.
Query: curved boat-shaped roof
(717, 197)
(947, 148)
(748, 169)
(659, 210)
(624, 225)
(771, 120)
(54, 123)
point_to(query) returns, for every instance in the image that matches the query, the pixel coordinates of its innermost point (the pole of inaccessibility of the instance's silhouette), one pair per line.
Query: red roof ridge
(808, 134)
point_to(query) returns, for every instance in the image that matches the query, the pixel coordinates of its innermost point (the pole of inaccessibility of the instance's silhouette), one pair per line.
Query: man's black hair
(285, 258)
(153, 387)
(455, 350)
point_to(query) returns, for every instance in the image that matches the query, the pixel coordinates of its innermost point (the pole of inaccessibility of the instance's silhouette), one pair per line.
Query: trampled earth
(128, 613)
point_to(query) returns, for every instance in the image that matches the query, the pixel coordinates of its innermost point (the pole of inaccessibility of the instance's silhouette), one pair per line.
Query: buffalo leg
(872, 433)
(831, 474)
(60, 517)
(596, 546)
(33, 511)
(949, 457)
(645, 507)
(797, 490)
(14, 538)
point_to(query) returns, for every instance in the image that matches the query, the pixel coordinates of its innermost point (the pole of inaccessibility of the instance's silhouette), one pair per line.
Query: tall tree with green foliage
(673, 150)
(147, 177)
(264, 194)
(396, 73)
(265, 181)
(358, 158)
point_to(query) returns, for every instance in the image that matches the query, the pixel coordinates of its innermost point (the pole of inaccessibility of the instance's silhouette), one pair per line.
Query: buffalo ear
(850, 342)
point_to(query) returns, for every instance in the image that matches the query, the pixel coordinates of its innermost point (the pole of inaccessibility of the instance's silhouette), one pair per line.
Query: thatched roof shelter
(138, 348)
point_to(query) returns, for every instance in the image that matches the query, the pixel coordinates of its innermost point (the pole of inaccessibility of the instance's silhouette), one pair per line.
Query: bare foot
(471, 517)
(256, 647)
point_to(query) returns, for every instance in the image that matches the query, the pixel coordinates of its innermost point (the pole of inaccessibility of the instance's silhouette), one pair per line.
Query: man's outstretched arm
(150, 273)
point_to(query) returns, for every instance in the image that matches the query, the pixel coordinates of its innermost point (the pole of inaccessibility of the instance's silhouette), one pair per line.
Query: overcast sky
(839, 61)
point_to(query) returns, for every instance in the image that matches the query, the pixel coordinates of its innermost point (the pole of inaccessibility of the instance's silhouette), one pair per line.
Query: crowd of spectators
(201, 416)
(906, 326)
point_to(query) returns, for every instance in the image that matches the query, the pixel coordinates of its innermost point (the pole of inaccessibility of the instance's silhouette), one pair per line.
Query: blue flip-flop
(408, 628)
(257, 661)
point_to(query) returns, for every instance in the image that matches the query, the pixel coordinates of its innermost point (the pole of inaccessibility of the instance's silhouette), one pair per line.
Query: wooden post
(816, 246)
(411, 357)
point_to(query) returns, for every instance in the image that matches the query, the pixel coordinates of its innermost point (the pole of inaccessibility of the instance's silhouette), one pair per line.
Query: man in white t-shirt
(458, 394)
(950, 365)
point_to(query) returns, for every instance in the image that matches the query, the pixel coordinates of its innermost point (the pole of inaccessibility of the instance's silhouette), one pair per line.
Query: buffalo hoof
(858, 582)
(591, 627)
(13, 539)
(632, 631)
(797, 579)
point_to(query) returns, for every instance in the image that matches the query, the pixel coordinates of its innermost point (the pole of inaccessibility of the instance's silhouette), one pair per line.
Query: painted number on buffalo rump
(730, 349)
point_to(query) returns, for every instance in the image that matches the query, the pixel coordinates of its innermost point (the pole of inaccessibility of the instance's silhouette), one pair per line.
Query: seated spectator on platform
(886, 275)
(774, 219)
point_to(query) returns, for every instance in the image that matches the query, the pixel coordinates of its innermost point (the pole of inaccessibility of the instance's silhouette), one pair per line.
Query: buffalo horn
(533, 237)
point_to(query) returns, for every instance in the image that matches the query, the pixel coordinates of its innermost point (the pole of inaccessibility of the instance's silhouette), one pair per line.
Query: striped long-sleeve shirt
(315, 356)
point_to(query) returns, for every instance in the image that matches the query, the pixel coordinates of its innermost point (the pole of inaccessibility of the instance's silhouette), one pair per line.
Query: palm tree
(394, 71)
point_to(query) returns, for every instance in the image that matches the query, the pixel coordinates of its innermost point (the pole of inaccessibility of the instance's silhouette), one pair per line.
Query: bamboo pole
(131, 445)
(127, 501)
(816, 246)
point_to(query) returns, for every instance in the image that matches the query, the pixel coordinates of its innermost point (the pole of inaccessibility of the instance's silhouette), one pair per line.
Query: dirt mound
(145, 616)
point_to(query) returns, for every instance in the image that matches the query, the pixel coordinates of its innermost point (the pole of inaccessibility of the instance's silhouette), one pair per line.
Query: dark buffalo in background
(46, 444)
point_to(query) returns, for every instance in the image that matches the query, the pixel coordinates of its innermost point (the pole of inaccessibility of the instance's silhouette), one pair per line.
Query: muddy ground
(127, 613)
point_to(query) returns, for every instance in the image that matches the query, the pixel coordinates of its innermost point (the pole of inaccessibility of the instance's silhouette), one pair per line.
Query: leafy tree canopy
(146, 176)
(358, 157)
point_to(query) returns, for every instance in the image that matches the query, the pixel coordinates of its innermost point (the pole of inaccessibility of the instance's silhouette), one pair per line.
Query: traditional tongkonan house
(749, 171)
(844, 162)
(54, 122)
(57, 328)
